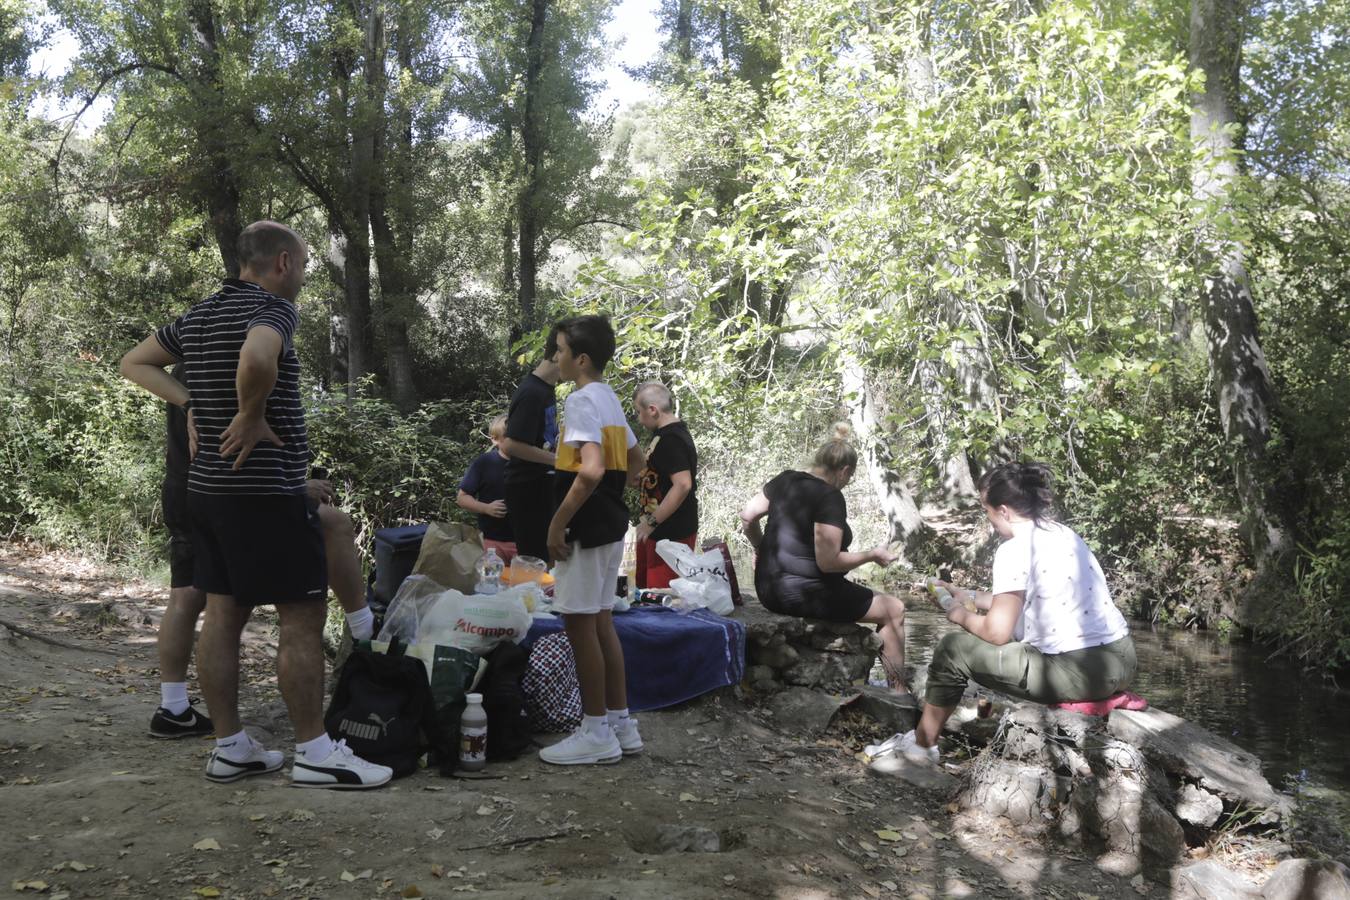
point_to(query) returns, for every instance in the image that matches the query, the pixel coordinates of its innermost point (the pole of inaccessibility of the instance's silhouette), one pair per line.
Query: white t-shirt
(1068, 606)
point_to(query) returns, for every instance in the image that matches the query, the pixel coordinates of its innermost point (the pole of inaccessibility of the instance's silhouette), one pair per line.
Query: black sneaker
(188, 723)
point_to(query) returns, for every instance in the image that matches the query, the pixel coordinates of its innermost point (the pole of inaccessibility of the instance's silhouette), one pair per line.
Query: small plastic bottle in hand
(944, 597)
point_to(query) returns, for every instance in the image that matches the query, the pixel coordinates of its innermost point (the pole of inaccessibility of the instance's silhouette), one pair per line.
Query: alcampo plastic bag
(423, 612)
(703, 578)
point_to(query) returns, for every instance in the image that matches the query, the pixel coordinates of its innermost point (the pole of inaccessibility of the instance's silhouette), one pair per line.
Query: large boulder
(1308, 879)
(811, 653)
(1208, 880)
(1189, 752)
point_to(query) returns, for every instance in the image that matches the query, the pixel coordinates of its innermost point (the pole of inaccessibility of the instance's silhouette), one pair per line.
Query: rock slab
(1308, 879)
(1188, 751)
(1208, 880)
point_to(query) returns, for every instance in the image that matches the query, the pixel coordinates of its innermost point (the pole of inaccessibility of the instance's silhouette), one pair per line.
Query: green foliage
(393, 468)
(78, 460)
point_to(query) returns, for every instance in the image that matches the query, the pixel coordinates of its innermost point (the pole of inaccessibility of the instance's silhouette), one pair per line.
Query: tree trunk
(508, 225)
(684, 31)
(1243, 390)
(218, 187)
(390, 217)
(906, 525)
(532, 142)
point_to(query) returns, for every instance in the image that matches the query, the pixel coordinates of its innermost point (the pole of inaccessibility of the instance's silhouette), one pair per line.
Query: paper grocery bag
(449, 555)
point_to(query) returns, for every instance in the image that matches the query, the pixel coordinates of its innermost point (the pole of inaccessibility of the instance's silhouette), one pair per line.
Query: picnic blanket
(670, 657)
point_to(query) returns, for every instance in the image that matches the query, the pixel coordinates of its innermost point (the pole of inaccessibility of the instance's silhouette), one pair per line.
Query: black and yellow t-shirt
(592, 415)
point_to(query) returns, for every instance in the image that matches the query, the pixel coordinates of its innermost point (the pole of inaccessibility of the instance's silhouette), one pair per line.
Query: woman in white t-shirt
(1046, 631)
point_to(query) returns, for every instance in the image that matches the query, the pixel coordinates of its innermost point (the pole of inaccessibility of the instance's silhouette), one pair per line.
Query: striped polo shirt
(208, 339)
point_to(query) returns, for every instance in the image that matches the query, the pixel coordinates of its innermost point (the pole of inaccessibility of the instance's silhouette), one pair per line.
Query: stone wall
(784, 651)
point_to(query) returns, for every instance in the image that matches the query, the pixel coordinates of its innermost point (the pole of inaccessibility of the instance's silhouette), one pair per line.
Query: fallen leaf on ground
(411, 892)
(435, 833)
(886, 834)
(347, 876)
(79, 866)
(38, 886)
(206, 844)
(688, 798)
(485, 810)
(206, 892)
(871, 891)
(437, 870)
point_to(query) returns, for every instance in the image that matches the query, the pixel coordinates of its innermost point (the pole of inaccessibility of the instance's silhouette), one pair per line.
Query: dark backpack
(380, 705)
(509, 733)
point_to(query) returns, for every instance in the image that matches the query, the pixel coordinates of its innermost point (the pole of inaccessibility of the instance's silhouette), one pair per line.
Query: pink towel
(1118, 700)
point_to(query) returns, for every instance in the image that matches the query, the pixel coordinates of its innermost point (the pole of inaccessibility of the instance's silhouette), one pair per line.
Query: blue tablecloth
(670, 657)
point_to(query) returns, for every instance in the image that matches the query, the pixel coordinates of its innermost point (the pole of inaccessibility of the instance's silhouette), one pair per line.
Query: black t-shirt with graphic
(532, 418)
(672, 450)
(797, 501)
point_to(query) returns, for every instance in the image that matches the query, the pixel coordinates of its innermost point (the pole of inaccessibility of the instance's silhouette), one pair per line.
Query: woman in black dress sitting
(802, 552)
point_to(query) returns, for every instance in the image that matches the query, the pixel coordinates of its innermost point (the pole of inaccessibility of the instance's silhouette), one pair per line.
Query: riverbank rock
(1123, 788)
(1208, 880)
(1308, 879)
(784, 651)
(1186, 751)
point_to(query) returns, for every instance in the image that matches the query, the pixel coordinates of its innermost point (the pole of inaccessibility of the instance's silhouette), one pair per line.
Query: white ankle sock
(234, 747)
(594, 725)
(316, 750)
(362, 624)
(618, 718)
(173, 696)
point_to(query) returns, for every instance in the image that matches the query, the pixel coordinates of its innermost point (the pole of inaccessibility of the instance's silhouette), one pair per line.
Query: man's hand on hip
(242, 435)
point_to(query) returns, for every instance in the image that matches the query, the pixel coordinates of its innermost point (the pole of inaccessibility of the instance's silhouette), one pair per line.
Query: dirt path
(92, 807)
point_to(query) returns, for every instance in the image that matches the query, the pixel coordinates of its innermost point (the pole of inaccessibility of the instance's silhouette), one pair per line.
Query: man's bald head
(264, 241)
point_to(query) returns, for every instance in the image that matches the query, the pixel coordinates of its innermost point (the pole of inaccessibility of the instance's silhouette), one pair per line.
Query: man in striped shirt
(255, 539)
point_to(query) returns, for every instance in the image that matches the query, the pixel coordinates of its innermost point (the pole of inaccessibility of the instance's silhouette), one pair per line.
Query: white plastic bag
(702, 580)
(425, 613)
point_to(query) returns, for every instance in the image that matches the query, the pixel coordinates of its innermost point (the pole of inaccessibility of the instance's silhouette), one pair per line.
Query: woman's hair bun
(843, 431)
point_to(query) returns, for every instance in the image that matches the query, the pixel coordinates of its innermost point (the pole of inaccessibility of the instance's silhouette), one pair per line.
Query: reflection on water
(1299, 727)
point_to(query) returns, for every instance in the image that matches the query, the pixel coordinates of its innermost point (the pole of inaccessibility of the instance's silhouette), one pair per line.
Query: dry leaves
(206, 844)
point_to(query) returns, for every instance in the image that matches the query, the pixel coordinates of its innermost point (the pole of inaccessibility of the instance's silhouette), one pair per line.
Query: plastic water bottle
(473, 726)
(489, 573)
(944, 596)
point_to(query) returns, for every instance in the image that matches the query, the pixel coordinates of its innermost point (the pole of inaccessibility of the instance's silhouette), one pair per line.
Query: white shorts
(587, 581)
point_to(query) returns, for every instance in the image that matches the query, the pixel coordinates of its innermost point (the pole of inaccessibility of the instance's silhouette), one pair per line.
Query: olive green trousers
(1020, 670)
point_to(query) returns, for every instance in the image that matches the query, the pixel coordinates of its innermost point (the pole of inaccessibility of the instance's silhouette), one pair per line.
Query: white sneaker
(580, 749)
(343, 770)
(629, 739)
(908, 748)
(257, 761)
(875, 751)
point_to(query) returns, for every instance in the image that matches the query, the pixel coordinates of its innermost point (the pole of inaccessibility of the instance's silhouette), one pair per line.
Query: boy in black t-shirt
(482, 491)
(596, 454)
(529, 444)
(668, 484)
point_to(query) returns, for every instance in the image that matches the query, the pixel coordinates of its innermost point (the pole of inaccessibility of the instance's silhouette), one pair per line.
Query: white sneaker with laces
(907, 746)
(580, 749)
(630, 742)
(343, 770)
(875, 751)
(256, 761)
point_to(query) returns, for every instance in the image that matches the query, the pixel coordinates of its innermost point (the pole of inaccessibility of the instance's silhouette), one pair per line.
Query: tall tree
(1244, 394)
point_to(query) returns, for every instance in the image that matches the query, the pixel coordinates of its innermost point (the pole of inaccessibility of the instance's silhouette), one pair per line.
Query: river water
(1298, 726)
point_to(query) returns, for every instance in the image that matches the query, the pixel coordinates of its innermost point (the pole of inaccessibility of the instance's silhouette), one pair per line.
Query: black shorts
(174, 502)
(831, 599)
(530, 506)
(261, 550)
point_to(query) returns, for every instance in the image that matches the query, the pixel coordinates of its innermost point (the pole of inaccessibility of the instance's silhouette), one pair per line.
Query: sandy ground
(93, 807)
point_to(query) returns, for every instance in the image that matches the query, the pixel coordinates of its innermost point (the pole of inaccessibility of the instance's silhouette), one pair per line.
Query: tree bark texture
(217, 187)
(532, 140)
(1243, 390)
(390, 218)
(905, 523)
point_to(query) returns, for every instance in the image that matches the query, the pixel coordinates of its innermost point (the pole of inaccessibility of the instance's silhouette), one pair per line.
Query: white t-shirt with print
(1068, 605)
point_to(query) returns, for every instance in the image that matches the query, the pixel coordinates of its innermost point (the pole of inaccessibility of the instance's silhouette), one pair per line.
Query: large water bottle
(944, 596)
(489, 573)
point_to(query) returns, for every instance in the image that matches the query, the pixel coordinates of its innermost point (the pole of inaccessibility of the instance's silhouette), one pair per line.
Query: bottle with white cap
(473, 726)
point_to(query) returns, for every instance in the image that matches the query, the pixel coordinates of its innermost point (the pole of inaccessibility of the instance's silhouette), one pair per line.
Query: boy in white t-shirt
(597, 457)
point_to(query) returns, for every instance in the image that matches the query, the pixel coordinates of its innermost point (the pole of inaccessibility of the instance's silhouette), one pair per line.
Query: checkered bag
(552, 695)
